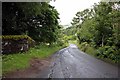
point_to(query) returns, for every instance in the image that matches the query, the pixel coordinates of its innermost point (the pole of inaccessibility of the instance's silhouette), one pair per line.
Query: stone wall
(15, 45)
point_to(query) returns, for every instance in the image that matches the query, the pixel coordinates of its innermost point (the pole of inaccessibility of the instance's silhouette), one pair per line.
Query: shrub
(108, 52)
(84, 46)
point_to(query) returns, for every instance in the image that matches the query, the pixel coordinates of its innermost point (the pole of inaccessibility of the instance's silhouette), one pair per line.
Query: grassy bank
(87, 48)
(13, 62)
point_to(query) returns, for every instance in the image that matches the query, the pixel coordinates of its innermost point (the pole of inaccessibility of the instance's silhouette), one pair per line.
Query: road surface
(70, 62)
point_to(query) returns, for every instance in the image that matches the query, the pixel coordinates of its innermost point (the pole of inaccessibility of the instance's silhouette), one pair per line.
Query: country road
(70, 62)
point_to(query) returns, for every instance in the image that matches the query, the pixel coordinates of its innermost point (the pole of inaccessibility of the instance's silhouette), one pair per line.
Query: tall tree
(103, 27)
(34, 19)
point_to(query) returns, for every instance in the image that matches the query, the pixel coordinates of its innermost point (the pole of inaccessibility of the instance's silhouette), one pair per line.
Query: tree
(100, 29)
(103, 27)
(34, 19)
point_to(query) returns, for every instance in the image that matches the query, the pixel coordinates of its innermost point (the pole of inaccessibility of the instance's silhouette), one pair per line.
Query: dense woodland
(98, 30)
(37, 20)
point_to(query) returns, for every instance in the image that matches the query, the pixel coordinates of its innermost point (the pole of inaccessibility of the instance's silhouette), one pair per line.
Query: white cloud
(68, 8)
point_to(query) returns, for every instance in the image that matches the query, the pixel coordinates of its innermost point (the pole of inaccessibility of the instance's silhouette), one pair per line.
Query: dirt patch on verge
(36, 65)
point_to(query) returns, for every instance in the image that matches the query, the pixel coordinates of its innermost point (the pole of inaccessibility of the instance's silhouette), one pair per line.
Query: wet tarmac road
(70, 62)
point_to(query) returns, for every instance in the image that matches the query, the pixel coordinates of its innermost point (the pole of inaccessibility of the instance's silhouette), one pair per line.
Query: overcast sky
(68, 8)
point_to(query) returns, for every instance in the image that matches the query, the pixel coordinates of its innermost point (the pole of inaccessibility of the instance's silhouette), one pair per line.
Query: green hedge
(16, 37)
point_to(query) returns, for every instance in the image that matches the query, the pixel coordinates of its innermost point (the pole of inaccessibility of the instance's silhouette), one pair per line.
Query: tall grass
(85, 47)
(12, 62)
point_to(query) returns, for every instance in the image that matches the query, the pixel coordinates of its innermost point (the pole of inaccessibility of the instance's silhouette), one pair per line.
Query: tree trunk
(102, 40)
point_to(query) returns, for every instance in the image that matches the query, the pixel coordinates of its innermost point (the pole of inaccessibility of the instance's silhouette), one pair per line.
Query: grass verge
(13, 62)
(88, 49)
(93, 52)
